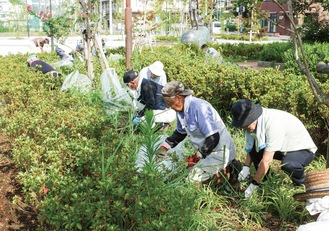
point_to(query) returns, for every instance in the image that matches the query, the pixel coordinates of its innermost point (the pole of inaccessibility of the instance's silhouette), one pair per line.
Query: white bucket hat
(157, 68)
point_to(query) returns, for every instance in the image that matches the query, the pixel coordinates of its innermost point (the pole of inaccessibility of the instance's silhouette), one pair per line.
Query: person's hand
(192, 160)
(244, 173)
(251, 188)
(136, 120)
(201, 155)
(160, 154)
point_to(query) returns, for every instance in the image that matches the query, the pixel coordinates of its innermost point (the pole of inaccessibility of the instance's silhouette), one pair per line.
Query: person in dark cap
(272, 134)
(198, 120)
(148, 96)
(316, 197)
(39, 65)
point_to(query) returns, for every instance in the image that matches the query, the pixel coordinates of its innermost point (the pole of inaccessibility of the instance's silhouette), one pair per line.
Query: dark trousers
(293, 163)
(61, 53)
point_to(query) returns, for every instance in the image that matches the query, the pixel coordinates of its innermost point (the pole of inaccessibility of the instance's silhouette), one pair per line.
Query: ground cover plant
(77, 163)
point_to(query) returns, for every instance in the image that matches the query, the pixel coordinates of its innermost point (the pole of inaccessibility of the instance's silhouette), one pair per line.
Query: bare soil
(250, 64)
(14, 213)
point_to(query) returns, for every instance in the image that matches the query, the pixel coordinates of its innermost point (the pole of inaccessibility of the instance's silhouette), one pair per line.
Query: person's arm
(170, 142)
(247, 161)
(39, 44)
(264, 165)
(209, 144)
(175, 138)
(148, 96)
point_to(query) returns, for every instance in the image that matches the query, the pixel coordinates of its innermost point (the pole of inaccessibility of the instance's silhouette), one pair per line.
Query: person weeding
(210, 52)
(155, 73)
(272, 134)
(197, 119)
(148, 96)
(316, 197)
(45, 68)
(37, 44)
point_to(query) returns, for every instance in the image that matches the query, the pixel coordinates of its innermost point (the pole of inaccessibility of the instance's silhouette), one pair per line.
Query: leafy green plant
(78, 163)
(58, 26)
(274, 52)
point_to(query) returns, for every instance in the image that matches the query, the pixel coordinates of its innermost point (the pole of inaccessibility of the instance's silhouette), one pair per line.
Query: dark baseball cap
(129, 76)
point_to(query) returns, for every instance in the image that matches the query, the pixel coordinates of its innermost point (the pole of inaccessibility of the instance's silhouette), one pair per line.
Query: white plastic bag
(77, 81)
(114, 96)
(64, 62)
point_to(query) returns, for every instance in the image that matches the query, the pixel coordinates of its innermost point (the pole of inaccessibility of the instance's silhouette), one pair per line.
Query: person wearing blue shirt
(197, 119)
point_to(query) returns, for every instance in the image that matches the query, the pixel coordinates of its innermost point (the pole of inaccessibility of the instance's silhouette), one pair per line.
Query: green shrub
(274, 52)
(167, 38)
(78, 163)
(314, 54)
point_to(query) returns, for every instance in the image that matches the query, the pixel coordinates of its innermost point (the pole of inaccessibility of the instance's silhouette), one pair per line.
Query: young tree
(57, 26)
(295, 7)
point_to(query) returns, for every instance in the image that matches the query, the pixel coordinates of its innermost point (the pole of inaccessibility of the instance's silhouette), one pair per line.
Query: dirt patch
(250, 64)
(13, 215)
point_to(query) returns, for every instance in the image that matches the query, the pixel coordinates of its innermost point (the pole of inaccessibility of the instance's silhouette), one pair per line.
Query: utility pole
(129, 33)
(52, 36)
(27, 23)
(110, 17)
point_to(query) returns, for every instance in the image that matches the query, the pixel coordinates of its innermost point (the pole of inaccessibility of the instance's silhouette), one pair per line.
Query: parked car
(216, 27)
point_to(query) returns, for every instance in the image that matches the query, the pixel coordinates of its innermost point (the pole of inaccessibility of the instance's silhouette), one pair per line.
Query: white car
(216, 27)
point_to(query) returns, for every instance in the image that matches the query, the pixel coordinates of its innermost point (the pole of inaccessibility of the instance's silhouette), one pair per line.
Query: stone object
(322, 68)
(199, 37)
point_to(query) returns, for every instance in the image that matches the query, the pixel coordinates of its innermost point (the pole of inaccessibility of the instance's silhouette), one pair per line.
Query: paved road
(11, 45)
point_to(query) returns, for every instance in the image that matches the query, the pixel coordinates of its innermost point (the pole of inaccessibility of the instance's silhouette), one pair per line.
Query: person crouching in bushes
(201, 123)
(39, 65)
(316, 197)
(272, 134)
(147, 93)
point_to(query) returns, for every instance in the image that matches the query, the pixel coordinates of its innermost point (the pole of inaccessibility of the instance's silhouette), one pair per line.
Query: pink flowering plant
(57, 26)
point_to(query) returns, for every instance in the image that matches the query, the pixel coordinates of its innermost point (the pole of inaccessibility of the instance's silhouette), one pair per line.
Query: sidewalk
(11, 45)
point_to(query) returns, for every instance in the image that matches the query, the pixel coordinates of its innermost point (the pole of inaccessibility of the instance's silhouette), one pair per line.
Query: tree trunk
(327, 157)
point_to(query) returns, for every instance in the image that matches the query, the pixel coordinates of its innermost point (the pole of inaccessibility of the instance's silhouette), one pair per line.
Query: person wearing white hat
(155, 73)
(316, 197)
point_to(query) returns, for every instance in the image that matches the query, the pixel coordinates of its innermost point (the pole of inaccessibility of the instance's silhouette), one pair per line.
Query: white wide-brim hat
(157, 68)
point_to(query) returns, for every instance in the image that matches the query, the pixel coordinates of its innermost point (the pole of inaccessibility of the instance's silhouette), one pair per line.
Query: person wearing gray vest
(201, 123)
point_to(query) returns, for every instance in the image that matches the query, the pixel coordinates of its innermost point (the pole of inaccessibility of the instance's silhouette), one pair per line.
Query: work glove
(244, 173)
(251, 188)
(192, 160)
(201, 155)
(136, 120)
(160, 154)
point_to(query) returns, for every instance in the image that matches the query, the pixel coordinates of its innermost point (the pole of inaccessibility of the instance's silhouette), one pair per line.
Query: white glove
(244, 173)
(251, 188)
